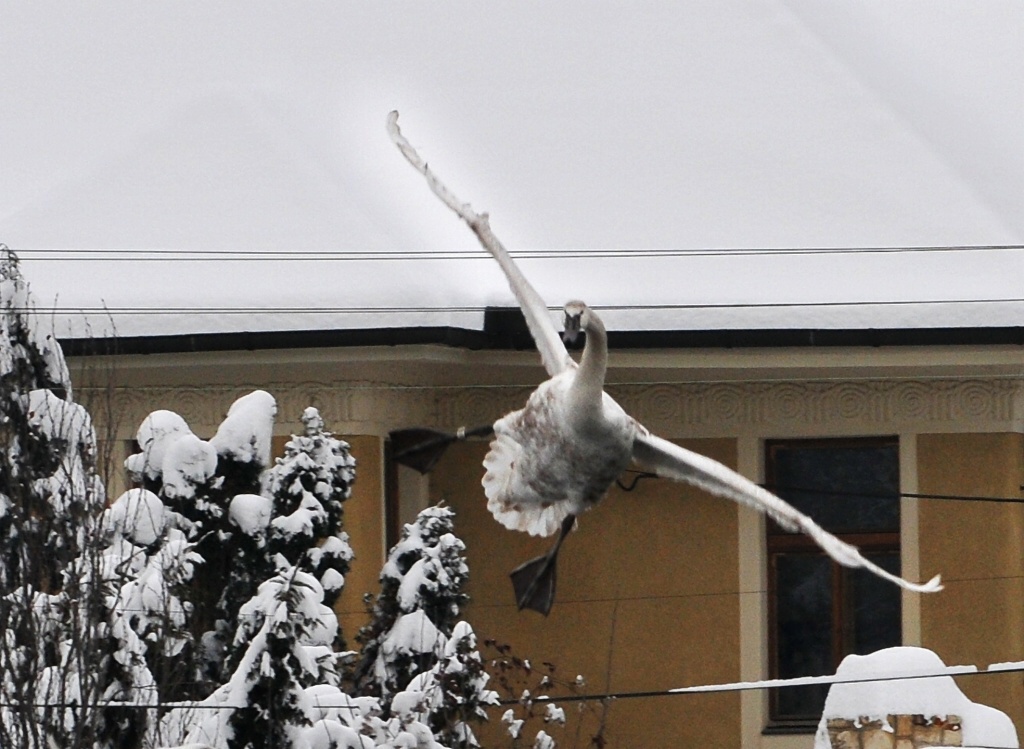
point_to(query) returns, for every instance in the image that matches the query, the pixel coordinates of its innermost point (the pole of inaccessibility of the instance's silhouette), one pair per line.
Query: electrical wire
(182, 255)
(733, 687)
(786, 489)
(419, 309)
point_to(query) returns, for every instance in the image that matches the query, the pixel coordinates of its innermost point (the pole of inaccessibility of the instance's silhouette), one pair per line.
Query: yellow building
(663, 586)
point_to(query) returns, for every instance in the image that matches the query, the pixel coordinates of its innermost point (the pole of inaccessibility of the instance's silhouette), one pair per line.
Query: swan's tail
(512, 504)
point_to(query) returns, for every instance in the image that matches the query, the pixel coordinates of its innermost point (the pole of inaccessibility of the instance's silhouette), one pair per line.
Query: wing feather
(674, 462)
(553, 353)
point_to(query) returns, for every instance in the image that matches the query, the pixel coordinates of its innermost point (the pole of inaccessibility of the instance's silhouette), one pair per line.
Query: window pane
(876, 607)
(803, 607)
(865, 480)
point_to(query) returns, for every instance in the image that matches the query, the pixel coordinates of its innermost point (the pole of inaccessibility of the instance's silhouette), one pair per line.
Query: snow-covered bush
(418, 658)
(157, 564)
(454, 690)
(527, 688)
(198, 480)
(245, 521)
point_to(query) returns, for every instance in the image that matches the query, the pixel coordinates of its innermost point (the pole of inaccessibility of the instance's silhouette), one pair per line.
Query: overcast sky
(716, 124)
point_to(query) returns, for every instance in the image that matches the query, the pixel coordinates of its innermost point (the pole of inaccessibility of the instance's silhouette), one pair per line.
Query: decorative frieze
(877, 403)
(673, 410)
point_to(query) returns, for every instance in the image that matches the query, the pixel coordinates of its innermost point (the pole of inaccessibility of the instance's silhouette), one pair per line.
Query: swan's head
(577, 318)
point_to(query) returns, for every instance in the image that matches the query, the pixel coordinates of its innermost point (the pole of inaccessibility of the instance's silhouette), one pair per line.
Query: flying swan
(558, 455)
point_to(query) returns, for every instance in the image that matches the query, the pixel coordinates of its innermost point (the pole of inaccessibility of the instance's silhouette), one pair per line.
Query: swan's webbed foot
(534, 581)
(534, 584)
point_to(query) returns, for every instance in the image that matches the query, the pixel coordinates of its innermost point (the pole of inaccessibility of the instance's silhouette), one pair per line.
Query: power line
(731, 687)
(419, 309)
(782, 489)
(187, 255)
(868, 495)
(798, 681)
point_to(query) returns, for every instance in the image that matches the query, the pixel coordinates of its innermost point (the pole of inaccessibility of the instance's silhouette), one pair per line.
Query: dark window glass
(803, 585)
(819, 611)
(845, 489)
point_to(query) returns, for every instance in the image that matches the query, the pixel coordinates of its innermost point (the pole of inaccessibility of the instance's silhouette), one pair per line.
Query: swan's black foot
(534, 581)
(534, 584)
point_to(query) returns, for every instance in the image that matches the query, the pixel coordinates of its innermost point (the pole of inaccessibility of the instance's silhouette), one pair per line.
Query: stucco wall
(364, 523)
(977, 546)
(646, 599)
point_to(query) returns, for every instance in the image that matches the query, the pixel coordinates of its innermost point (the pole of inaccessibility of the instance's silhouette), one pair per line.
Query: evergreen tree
(198, 480)
(283, 642)
(308, 487)
(421, 596)
(65, 649)
(48, 481)
(455, 690)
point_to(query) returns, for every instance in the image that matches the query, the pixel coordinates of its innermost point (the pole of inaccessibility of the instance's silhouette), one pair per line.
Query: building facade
(663, 586)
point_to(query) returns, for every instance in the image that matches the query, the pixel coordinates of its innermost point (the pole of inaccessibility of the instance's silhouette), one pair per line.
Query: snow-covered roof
(627, 156)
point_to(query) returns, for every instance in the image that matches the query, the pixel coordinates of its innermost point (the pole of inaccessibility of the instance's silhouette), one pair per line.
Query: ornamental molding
(878, 405)
(673, 410)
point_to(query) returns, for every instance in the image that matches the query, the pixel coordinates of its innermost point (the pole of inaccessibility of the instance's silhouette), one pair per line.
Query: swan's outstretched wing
(549, 343)
(674, 462)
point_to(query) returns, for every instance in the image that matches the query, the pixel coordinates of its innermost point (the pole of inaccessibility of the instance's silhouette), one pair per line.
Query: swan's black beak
(572, 329)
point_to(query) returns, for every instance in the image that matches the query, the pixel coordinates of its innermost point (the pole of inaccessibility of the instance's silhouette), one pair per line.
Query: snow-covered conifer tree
(418, 607)
(65, 649)
(308, 487)
(283, 647)
(454, 690)
(48, 482)
(199, 480)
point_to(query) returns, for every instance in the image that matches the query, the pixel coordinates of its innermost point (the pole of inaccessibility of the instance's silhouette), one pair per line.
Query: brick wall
(897, 732)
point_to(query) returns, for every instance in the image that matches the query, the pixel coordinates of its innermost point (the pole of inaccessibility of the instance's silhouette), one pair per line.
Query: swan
(557, 456)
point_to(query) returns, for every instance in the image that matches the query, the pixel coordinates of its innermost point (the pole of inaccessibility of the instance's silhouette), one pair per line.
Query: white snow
(514, 725)
(930, 697)
(332, 580)
(138, 514)
(188, 461)
(155, 435)
(246, 432)
(412, 634)
(554, 714)
(251, 513)
(59, 419)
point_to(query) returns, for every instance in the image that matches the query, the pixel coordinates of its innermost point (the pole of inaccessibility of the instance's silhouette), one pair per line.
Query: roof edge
(505, 329)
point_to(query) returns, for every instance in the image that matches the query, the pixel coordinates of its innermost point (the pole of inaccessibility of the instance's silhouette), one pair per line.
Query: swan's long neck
(589, 382)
